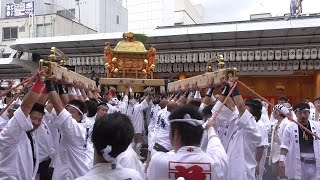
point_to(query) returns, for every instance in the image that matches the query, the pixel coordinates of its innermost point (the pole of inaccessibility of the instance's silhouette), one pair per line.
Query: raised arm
(239, 102)
(217, 153)
(20, 123)
(183, 98)
(54, 97)
(32, 96)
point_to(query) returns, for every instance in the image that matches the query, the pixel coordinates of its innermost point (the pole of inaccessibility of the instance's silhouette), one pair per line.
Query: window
(67, 14)
(10, 33)
(17, 1)
(118, 19)
(22, 29)
(44, 30)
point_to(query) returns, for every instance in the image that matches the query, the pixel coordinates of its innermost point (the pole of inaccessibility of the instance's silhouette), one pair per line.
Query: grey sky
(230, 10)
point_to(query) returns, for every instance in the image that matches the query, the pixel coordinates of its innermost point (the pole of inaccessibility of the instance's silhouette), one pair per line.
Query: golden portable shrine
(130, 63)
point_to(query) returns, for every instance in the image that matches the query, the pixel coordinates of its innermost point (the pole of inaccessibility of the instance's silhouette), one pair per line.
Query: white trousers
(308, 171)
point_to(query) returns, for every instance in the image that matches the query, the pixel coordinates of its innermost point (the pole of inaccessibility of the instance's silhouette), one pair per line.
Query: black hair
(190, 135)
(38, 108)
(283, 99)
(255, 108)
(102, 104)
(115, 130)
(156, 100)
(195, 103)
(91, 107)
(206, 112)
(301, 106)
(81, 105)
(317, 99)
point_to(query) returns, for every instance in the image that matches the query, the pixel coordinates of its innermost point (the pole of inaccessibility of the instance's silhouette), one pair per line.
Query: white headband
(102, 105)
(305, 109)
(75, 107)
(105, 153)
(280, 107)
(187, 119)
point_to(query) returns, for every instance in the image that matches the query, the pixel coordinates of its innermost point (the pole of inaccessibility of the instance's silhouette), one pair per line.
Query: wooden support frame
(132, 81)
(203, 80)
(53, 69)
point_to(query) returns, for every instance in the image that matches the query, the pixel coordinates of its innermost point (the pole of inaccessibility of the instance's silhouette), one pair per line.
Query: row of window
(11, 33)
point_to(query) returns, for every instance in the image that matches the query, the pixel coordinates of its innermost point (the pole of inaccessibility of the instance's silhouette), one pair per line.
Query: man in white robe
(138, 122)
(277, 136)
(299, 156)
(189, 161)
(162, 142)
(314, 112)
(7, 115)
(111, 136)
(239, 134)
(19, 157)
(72, 160)
(45, 146)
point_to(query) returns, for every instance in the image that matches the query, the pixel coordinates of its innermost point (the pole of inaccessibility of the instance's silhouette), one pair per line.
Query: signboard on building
(19, 10)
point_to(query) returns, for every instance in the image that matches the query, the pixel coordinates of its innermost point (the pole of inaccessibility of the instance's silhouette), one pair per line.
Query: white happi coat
(191, 162)
(16, 161)
(264, 143)
(71, 161)
(153, 117)
(266, 121)
(137, 116)
(49, 118)
(240, 137)
(152, 125)
(104, 171)
(163, 130)
(129, 159)
(45, 142)
(290, 142)
(4, 120)
(88, 123)
(121, 107)
(312, 115)
(275, 147)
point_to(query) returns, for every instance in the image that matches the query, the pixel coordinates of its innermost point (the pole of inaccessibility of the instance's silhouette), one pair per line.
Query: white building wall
(96, 14)
(145, 15)
(187, 13)
(60, 26)
(111, 9)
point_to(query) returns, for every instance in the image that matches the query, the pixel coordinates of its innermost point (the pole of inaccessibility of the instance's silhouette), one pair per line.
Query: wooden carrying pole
(13, 88)
(202, 80)
(52, 68)
(131, 81)
(290, 118)
(9, 104)
(213, 118)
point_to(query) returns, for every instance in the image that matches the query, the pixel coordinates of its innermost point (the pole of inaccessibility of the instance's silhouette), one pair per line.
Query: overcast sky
(229, 10)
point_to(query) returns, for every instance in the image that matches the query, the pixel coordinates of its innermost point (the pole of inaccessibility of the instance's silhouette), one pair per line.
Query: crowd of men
(64, 132)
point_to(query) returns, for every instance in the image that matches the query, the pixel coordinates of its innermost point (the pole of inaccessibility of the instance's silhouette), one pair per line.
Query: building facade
(101, 15)
(146, 15)
(36, 26)
(273, 56)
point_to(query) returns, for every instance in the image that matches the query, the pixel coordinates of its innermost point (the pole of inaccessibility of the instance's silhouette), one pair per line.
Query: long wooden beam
(53, 69)
(203, 80)
(131, 81)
